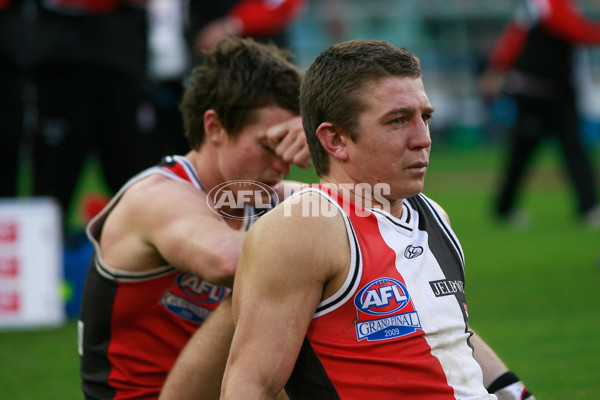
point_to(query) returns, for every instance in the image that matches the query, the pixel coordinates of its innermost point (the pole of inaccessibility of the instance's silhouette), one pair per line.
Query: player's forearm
(238, 385)
(198, 371)
(497, 378)
(491, 365)
(260, 361)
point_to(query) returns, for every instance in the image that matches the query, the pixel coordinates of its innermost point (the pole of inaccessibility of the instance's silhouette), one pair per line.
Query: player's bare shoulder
(309, 227)
(154, 220)
(157, 201)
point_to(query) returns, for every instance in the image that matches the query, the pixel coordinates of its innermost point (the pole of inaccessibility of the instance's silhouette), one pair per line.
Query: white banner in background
(31, 263)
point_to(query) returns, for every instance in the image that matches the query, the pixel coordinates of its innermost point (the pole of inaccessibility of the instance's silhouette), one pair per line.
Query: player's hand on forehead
(288, 141)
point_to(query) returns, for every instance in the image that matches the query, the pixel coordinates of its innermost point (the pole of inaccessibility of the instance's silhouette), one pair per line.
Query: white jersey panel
(441, 317)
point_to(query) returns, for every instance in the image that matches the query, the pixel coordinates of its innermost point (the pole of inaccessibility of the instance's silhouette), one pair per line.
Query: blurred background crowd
(103, 78)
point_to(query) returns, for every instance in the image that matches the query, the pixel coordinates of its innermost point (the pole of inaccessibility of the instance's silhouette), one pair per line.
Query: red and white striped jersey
(397, 329)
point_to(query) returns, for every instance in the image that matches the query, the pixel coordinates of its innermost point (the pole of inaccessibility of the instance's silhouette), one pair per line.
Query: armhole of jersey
(129, 276)
(102, 268)
(445, 228)
(130, 182)
(350, 285)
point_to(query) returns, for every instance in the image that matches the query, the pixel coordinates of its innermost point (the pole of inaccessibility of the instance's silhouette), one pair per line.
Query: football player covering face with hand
(164, 255)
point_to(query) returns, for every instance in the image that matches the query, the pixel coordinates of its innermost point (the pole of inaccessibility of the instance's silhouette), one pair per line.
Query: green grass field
(533, 294)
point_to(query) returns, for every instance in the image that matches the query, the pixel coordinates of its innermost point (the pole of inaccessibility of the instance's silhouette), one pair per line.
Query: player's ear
(213, 127)
(333, 141)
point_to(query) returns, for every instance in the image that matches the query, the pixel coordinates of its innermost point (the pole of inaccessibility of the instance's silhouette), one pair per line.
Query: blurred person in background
(89, 70)
(534, 62)
(15, 51)
(164, 253)
(211, 21)
(180, 30)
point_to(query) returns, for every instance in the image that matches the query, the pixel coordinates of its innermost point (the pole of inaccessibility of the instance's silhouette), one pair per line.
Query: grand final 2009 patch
(385, 311)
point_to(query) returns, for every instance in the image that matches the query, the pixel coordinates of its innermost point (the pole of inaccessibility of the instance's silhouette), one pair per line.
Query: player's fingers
(274, 134)
(293, 141)
(302, 158)
(279, 132)
(287, 143)
(297, 152)
(289, 146)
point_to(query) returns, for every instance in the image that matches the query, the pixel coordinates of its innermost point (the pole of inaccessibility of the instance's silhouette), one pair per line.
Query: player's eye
(266, 147)
(397, 121)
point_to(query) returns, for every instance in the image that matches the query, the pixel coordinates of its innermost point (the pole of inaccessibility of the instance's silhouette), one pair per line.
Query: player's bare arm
(290, 263)
(491, 365)
(162, 221)
(188, 381)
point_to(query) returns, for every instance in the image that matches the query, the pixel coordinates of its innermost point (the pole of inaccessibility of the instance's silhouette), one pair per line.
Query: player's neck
(365, 195)
(205, 163)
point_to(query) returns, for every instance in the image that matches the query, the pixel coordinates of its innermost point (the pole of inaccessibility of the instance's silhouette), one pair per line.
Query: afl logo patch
(382, 297)
(193, 298)
(199, 290)
(385, 311)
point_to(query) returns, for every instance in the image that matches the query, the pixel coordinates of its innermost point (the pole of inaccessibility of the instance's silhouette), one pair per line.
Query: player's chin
(414, 187)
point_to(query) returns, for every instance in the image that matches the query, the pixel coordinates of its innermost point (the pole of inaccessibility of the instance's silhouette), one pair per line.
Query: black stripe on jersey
(354, 273)
(95, 315)
(129, 276)
(191, 171)
(308, 380)
(408, 213)
(442, 246)
(440, 220)
(432, 219)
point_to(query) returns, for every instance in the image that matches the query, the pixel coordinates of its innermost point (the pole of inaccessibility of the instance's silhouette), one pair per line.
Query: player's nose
(420, 137)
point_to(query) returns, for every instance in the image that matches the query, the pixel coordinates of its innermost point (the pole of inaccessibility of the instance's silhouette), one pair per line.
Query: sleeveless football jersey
(397, 329)
(134, 324)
